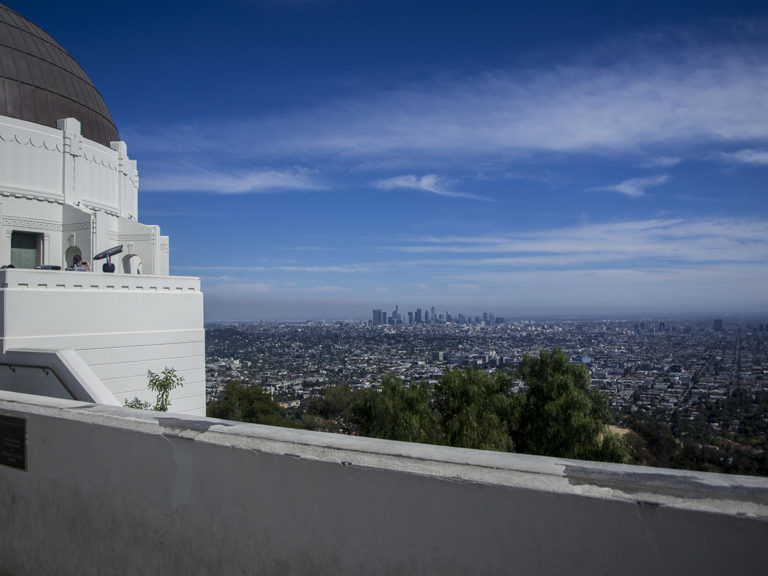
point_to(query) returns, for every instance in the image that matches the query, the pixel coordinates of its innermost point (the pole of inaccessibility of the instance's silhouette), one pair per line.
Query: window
(26, 249)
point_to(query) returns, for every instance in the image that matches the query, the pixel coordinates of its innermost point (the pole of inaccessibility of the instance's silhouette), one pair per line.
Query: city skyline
(319, 159)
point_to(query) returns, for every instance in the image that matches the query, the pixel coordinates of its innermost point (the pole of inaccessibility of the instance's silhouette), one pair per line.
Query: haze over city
(314, 159)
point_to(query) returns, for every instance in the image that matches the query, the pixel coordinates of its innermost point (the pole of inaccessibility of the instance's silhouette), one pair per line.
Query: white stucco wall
(120, 325)
(30, 158)
(108, 490)
(46, 173)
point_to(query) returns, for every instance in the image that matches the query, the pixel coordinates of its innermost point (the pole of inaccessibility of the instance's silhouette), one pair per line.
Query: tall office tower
(384, 318)
(418, 315)
(376, 317)
(426, 317)
(448, 317)
(718, 325)
(433, 314)
(410, 317)
(396, 314)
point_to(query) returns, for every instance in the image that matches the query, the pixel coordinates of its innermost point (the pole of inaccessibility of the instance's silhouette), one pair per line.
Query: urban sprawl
(661, 365)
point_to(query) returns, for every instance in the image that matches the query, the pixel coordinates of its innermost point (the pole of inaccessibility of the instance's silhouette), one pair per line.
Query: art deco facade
(68, 188)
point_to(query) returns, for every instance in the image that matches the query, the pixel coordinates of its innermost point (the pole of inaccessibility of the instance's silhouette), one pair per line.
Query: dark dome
(41, 83)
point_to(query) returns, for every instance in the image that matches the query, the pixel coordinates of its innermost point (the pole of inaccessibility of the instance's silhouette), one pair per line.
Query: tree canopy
(556, 413)
(247, 404)
(398, 412)
(477, 410)
(561, 415)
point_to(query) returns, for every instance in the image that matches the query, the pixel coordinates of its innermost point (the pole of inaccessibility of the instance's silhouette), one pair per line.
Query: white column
(73, 147)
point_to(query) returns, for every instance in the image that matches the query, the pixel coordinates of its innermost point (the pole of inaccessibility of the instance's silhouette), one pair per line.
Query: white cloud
(324, 289)
(662, 264)
(193, 179)
(344, 268)
(673, 92)
(747, 156)
(237, 288)
(676, 291)
(565, 109)
(427, 183)
(663, 162)
(635, 187)
(671, 242)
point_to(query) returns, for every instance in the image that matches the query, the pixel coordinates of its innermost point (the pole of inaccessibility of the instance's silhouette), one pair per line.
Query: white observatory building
(68, 188)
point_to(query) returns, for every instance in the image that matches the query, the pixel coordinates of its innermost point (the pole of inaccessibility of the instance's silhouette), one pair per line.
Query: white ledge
(18, 278)
(731, 495)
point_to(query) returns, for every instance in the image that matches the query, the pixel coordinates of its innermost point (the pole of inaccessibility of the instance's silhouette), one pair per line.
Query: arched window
(131, 264)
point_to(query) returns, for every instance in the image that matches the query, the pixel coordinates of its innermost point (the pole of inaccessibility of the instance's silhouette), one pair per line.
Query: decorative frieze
(34, 140)
(134, 238)
(99, 207)
(30, 224)
(74, 227)
(13, 192)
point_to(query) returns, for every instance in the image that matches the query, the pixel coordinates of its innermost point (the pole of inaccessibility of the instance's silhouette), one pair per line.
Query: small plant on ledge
(162, 384)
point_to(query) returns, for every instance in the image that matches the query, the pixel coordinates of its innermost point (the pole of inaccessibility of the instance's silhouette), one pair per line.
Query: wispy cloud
(236, 288)
(663, 162)
(678, 263)
(647, 101)
(635, 187)
(667, 242)
(678, 290)
(324, 289)
(345, 269)
(746, 156)
(218, 181)
(672, 91)
(427, 183)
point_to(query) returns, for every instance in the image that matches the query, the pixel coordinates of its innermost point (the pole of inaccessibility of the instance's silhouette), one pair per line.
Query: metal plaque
(13, 441)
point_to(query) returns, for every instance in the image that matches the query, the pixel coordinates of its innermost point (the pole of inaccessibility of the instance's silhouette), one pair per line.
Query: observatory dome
(41, 83)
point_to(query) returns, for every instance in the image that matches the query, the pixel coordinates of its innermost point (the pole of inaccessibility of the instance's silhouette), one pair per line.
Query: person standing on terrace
(80, 265)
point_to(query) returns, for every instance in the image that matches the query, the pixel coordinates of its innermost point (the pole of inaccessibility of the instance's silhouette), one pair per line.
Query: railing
(54, 373)
(67, 280)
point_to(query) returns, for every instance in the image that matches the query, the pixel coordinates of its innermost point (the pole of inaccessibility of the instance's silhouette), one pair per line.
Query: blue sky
(316, 159)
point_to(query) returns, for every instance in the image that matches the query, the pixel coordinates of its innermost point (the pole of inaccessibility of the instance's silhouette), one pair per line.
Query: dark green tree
(562, 416)
(332, 410)
(476, 409)
(247, 404)
(398, 412)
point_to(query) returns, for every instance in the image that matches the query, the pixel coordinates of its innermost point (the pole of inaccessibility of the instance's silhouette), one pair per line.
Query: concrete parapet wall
(108, 490)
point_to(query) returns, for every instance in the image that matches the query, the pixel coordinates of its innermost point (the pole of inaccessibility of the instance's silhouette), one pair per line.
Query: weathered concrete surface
(108, 490)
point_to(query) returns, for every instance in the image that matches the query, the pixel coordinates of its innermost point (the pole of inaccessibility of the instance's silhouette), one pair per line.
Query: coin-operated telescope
(108, 266)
